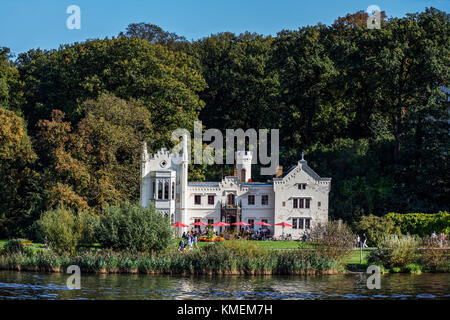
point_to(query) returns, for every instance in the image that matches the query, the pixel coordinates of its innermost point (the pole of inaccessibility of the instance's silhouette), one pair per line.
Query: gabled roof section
(303, 166)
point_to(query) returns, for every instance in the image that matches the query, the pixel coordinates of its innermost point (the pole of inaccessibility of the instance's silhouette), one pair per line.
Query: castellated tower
(145, 181)
(244, 165)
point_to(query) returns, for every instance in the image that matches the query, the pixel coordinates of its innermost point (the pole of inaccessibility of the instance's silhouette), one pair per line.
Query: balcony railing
(231, 205)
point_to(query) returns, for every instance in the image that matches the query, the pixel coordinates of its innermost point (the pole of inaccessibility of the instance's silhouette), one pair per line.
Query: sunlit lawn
(354, 257)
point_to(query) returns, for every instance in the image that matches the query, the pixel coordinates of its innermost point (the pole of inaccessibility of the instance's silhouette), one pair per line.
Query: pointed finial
(185, 154)
(144, 151)
(303, 156)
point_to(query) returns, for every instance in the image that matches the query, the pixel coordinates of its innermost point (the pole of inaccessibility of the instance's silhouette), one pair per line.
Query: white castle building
(298, 197)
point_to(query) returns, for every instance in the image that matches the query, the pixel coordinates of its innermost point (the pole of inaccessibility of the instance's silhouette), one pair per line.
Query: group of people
(441, 238)
(360, 241)
(258, 234)
(190, 240)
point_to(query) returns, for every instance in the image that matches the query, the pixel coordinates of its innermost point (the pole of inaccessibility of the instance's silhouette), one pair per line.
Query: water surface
(28, 285)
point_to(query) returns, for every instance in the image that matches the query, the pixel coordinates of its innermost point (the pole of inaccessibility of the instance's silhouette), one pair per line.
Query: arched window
(154, 190)
(166, 189)
(160, 190)
(230, 198)
(173, 190)
(243, 175)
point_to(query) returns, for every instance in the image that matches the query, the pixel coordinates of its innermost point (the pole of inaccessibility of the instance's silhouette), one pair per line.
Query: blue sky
(27, 24)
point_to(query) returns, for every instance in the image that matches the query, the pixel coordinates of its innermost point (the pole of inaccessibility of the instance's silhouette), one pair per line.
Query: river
(28, 285)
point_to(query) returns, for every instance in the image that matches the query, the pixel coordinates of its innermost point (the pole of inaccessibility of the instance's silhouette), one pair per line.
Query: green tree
(376, 228)
(10, 85)
(130, 227)
(97, 163)
(312, 109)
(164, 81)
(17, 175)
(155, 34)
(241, 89)
(65, 230)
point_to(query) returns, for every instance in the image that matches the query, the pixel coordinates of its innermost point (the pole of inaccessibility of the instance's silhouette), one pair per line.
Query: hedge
(421, 224)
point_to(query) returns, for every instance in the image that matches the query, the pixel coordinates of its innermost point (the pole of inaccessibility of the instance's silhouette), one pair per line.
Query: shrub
(131, 227)
(413, 268)
(334, 240)
(434, 256)
(421, 224)
(64, 229)
(394, 251)
(90, 223)
(13, 246)
(376, 228)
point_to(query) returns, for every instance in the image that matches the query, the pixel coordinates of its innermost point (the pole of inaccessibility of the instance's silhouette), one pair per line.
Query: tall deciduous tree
(97, 163)
(10, 86)
(242, 91)
(16, 175)
(155, 34)
(166, 82)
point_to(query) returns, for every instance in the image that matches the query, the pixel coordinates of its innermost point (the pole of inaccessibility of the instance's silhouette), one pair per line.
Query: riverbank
(194, 263)
(232, 258)
(229, 258)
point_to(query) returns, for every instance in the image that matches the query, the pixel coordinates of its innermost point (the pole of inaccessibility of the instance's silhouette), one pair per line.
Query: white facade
(299, 197)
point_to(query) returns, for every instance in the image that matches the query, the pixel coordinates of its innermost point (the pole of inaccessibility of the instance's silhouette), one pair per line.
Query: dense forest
(369, 108)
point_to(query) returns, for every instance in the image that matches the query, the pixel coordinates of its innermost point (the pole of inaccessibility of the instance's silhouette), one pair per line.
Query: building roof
(203, 184)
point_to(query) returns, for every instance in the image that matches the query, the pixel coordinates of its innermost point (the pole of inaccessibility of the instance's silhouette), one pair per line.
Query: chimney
(235, 173)
(279, 172)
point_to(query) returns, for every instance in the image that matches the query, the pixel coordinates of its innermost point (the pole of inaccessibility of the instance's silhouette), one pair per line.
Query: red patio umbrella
(241, 224)
(199, 223)
(263, 224)
(179, 225)
(284, 224)
(220, 224)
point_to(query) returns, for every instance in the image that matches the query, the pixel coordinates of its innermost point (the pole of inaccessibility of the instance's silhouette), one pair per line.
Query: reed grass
(224, 258)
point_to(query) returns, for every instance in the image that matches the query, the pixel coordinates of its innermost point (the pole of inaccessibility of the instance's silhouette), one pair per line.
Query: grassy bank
(231, 258)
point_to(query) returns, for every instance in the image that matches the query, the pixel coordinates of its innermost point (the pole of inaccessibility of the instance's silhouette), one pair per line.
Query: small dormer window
(302, 186)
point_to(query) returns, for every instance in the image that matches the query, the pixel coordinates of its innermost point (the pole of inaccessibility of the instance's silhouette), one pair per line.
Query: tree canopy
(368, 106)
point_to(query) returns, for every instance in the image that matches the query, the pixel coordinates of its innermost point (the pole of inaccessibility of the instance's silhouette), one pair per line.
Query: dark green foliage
(376, 228)
(421, 224)
(435, 254)
(65, 230)
(333, 240)
(395, 251)
(130, 227)
(369, 107)
(18, 179)
(13, 246)
(164, 81)
(155, 34)
(231, 258)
